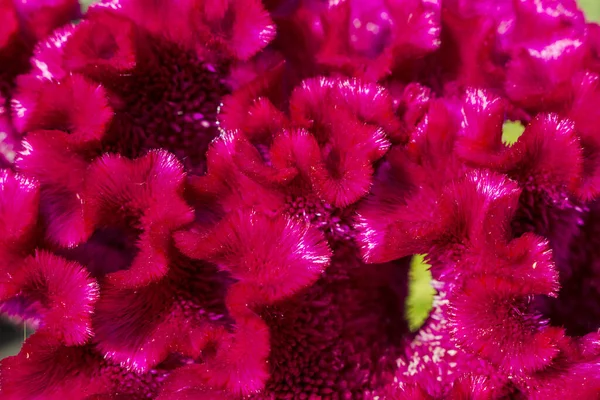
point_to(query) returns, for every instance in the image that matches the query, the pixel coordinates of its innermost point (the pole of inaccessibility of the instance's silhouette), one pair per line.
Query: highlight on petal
(538, 75)
(479, 209)
(63, 293)
(472, 387)
(104, 43)
(239, 27)
(481, 128)
(48, 56)
(19, 202)
(138, 328)
(393, 199)
(276, 256)
(145, 196)
(547, 156)
(60, 166)
(74, 105)
(371, 39)
(19, 208)
(471, 212)
(493, 316)
(9, 137)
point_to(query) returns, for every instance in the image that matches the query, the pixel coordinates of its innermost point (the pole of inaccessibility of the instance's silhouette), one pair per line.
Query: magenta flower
(220, 199)
(23, 25)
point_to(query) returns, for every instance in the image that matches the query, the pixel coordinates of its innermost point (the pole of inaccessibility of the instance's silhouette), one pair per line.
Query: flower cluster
(220, 199)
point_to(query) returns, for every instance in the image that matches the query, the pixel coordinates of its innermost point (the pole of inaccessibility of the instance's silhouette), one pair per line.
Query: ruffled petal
(19, 202)
(62, 293)
(548, 156)
(486, 307)
(60, 166)
(143, 195)
(481, 128)
(370, 40)
(103, 46)
(75, 105)
(239, 366)
(472, 212)
(46, 369)
(277, 256)
(538, 75)
(42, 17)
(19, 207)
(584, 114)
(245, 26)
(182, 312)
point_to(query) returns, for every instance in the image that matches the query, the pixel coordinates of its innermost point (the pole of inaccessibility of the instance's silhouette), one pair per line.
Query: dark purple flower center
(170, 103)
(333, 221)
(109, 249)
(340, 336)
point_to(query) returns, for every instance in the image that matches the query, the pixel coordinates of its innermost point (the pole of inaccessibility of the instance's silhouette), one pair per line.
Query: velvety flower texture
(23, 24)
(220, 199)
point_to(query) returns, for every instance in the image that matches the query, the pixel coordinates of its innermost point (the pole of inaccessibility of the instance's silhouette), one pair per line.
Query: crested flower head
(226, 199)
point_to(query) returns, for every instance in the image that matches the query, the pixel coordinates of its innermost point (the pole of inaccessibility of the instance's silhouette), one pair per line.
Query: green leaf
(591, 8)
(511, 131)
(420, 293)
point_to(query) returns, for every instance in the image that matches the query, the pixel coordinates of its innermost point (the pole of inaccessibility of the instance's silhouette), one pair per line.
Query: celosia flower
(23, 24)
(220, 199)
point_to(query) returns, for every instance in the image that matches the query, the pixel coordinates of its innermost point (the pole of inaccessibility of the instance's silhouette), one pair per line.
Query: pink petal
(139, 328)
(584, 114)
(491, 319)
(371, 39)
(547, 156)
(144, 195)
(43, 16)
(252, 28)
(342, 177)
(240, 363)
(276, 255)
(105, 43)
(60, 167)
(46, 369)
(19, 202)
(10, 23)
(538, 75)
(481, 127)
(74, 105)
(66, 292)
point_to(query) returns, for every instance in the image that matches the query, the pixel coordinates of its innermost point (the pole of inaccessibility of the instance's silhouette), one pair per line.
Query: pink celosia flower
(220, 199)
